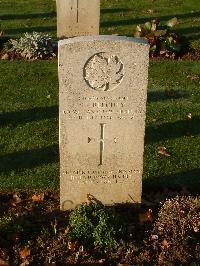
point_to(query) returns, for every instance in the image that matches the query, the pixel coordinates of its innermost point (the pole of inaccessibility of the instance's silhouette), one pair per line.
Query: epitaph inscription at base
(103, 85)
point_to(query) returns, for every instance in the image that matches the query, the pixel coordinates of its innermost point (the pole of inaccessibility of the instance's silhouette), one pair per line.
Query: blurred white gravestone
(103, 87)
(77, 17)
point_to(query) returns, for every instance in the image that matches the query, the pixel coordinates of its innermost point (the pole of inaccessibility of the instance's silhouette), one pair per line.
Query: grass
(29, 125)
(121, 17)
(29, 98)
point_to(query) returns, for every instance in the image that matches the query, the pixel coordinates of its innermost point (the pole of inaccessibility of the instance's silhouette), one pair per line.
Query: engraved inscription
(103, 72)
(104, 108)
(102, 176)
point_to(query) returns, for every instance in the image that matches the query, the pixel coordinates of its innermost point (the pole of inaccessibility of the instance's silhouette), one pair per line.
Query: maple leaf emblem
(103, 72)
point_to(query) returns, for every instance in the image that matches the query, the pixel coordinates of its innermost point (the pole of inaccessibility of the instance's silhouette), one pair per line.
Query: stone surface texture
(102, 106)
(77, 17)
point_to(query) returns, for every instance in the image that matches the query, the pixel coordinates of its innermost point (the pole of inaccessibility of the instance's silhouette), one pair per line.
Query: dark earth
(33, 231)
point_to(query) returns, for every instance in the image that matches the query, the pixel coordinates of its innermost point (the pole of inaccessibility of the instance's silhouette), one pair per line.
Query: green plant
(95, 224)
(162, 40)
(34, 45)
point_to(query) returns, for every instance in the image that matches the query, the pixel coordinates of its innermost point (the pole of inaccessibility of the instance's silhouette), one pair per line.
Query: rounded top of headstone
(102, 38)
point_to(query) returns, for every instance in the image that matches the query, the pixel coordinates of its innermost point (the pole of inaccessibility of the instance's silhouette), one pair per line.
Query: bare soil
(33, 231)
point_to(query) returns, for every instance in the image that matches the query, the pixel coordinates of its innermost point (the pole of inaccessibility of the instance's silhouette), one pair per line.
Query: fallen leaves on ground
(101, 261)
(4, 257)
(171, 93)
(72, 245)
(67, 230)
(154, 237)
(189, 116)
(165, 244)
(192, 77)
(24, 253)
(3, 262)
(163, 151)
(146, 217)
(38, 198)
(15, 200)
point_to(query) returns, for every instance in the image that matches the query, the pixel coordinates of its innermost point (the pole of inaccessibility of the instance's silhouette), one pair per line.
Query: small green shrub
(95, 224)
(34, 45)
(162, 40)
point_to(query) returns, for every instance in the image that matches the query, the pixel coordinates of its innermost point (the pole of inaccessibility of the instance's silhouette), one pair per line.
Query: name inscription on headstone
(105, 108)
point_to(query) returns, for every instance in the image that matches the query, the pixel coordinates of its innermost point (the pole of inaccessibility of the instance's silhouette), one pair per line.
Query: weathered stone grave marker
(77, 17)
(103, 84)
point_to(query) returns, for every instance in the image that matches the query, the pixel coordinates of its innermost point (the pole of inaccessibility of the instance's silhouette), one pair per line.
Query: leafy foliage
(34, 45)
(95, 224)
(162, 40)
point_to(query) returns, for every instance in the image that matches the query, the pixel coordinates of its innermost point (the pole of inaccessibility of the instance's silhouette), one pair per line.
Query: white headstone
(77, 17)
(103, 87)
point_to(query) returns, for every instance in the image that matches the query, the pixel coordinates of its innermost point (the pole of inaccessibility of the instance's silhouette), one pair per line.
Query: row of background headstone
(77, 17)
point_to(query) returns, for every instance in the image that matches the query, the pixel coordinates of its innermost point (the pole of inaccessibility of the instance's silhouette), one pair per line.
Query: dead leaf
(172, 22)
(3, 254)
(16, 199)
(192, 77)
(189, 116)
(149, 215)
(165, 244)
(24, 253)
(38, 198)
(3, 262)
(101, 261)
(67, 230)
(5, 57)
(24, 263)
(72, 245)
(154, 237)
(161, 259)
(150, 11)
(146, 217)
(110, 29)
(162, 150)
(170, 93)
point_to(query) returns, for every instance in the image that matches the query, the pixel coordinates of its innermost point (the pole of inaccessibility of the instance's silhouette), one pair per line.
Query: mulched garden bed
(33, 231)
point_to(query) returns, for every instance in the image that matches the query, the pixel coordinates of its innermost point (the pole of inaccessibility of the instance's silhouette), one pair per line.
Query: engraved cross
(101, 142)
(77, 11)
